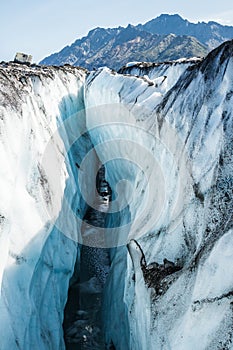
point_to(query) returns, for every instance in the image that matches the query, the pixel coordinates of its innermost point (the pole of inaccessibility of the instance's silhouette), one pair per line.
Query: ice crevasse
(165, 137)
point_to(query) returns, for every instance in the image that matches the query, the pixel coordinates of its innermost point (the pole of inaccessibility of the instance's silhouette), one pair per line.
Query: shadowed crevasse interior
(83, 314)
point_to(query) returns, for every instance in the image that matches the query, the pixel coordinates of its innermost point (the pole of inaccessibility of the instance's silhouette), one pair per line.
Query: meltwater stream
(83, 313)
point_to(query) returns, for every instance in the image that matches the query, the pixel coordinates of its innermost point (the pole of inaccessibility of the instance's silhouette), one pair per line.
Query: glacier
(164, 134)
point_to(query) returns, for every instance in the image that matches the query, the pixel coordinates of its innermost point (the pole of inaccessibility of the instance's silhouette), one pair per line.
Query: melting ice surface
(165, 137)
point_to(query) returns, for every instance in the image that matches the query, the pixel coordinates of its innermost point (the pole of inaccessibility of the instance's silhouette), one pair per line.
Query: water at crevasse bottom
(83, 313)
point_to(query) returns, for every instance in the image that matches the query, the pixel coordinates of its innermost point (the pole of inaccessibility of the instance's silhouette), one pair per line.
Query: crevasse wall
(191, 143)
(38, 187)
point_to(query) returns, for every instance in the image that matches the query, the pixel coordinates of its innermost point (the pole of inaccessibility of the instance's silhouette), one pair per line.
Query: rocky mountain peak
(167, 37)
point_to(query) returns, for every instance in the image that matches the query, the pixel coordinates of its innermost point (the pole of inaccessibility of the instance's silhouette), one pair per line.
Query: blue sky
(43, 27)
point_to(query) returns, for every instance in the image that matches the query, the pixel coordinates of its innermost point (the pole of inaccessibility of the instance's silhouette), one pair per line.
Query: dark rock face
(159, 276)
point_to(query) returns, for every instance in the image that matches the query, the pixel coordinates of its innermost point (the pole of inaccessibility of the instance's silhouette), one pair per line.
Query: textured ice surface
(193, 120)
(36, 259)
(173, 135)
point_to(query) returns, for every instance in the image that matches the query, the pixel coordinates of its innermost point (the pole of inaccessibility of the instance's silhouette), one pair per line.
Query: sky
(42, 27)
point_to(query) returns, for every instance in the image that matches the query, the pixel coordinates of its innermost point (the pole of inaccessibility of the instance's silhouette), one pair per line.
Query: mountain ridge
(209, 33)
(167, 37)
